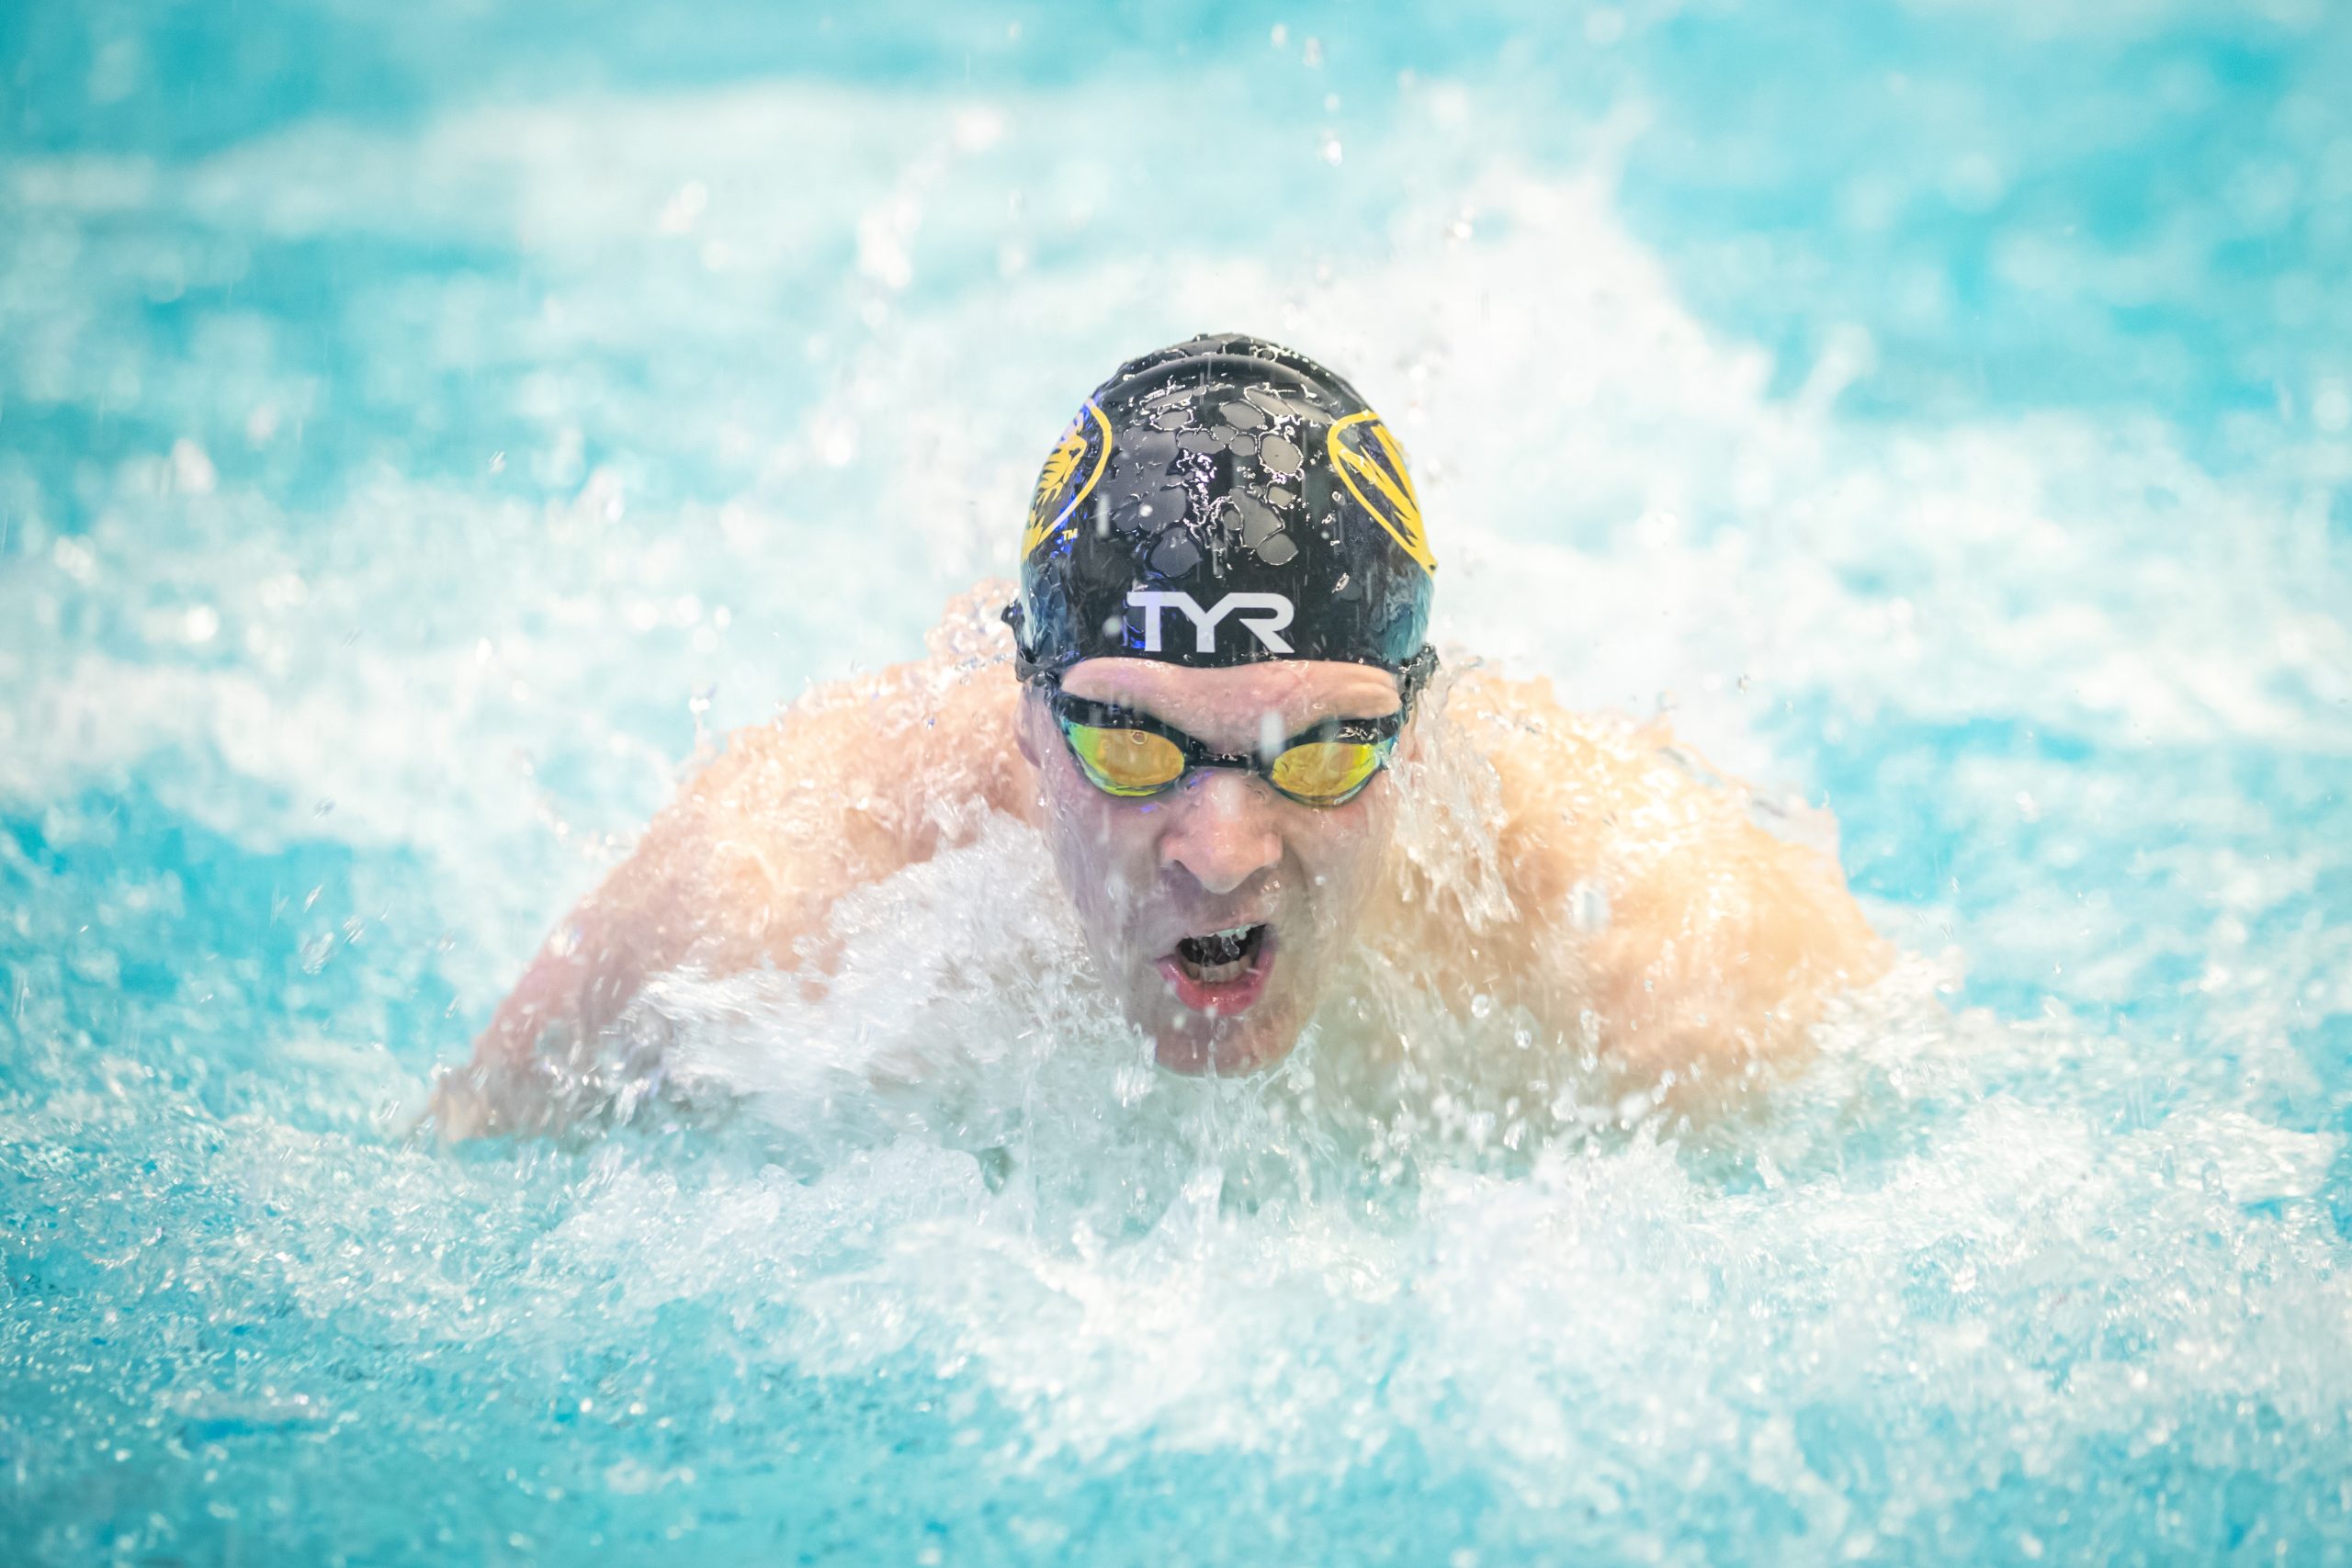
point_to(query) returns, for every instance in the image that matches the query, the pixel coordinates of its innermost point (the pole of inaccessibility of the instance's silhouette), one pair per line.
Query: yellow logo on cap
(1372, 465)
(1068, 472)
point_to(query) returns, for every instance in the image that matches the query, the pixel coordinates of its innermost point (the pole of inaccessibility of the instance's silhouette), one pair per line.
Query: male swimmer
(1218, 662)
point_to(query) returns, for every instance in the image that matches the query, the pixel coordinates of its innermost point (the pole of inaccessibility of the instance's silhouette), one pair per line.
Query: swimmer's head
(1224, 501)
(1223, 606)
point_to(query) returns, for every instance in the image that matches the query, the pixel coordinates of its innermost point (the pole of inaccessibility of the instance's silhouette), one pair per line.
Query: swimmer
(1217, 681)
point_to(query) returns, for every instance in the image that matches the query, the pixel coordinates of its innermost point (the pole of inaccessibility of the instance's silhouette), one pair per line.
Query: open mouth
(1220, 973)
(1221, 955)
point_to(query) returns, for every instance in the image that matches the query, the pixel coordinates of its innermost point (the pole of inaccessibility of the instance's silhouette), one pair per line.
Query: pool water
(422, 430)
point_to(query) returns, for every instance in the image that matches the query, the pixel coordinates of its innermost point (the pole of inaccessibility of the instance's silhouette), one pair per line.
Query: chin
(1226, 1048)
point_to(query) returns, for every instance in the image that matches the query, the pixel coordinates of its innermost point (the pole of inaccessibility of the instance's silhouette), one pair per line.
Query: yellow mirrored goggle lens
(1325, 771)
(1126, 761)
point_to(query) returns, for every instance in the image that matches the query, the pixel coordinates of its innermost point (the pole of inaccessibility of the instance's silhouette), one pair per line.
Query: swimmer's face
(1220, 851)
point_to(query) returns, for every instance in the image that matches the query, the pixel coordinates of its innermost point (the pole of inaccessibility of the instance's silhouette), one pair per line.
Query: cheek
(1342, 852)
(1100, 846)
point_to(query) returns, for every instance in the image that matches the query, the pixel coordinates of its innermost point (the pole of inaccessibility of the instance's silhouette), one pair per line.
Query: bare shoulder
(851, 781)
(1652, 898)
(1589, 794)
(886, 746)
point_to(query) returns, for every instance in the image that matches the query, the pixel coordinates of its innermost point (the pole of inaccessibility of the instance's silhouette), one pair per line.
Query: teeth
(1216, 957)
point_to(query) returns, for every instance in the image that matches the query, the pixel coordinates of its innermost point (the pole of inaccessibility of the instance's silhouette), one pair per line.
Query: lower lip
(1224, 998)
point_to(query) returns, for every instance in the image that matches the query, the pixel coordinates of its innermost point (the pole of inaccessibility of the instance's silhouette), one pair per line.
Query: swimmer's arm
(853, 783)
(1697, 944)
(641, 922)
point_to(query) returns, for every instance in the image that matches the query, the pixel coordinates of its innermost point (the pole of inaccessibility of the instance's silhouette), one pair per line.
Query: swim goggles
(1135, 756)
(1132, 755)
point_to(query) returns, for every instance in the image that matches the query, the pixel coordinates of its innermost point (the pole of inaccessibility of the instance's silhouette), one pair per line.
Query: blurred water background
(418, 424)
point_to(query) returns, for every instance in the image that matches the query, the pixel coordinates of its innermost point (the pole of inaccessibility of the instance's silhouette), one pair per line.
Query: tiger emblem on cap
(1371, 465)
(1070, 473)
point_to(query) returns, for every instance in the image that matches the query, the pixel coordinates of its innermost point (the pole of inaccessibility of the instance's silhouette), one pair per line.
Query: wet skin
(1221, 849)
(1713, 948)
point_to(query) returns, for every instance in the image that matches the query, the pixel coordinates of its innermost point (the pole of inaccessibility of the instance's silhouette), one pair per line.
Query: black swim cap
(1224, 501)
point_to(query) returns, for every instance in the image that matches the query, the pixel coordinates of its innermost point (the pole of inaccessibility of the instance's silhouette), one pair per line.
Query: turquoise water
(416, 430)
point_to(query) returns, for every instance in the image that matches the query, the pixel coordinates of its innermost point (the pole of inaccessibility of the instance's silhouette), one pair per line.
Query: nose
(1222, 830)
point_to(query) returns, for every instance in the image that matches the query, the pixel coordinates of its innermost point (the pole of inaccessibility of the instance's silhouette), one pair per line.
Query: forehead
(1299, 689)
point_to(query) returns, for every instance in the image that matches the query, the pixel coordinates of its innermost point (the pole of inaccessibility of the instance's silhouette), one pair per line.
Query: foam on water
(311, 719)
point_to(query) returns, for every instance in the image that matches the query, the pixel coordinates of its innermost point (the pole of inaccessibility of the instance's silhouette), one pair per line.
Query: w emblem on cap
(1069, 476)
(1372, 465)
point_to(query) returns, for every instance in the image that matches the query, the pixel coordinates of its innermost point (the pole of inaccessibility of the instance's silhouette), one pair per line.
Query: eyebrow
(1317, 712)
